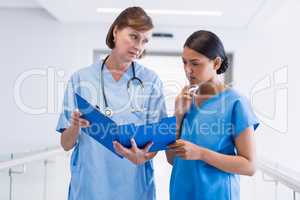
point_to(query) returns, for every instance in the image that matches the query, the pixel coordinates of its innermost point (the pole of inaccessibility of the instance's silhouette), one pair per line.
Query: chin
(130, 58)
(194, 82)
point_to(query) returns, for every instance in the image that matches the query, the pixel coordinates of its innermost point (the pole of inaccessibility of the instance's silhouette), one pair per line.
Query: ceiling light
(165, 12)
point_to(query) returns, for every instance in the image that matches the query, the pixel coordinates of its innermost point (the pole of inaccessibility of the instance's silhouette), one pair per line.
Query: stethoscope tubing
(107, 110)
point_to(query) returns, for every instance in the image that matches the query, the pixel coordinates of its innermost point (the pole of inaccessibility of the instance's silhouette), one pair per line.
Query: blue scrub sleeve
(156, 106)
(243, 117)
(69, 105)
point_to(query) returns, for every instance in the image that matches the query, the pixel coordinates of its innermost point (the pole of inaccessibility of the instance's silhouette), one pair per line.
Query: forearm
(179, 119)
(69, 137)
(228, 163)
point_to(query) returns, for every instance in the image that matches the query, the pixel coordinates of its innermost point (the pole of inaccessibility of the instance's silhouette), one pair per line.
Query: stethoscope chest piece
(108, 112)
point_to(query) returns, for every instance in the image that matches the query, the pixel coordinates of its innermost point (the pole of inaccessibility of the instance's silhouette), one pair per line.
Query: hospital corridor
(149, 100)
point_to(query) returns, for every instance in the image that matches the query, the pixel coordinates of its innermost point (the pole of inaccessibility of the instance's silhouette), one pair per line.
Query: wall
(269, 57)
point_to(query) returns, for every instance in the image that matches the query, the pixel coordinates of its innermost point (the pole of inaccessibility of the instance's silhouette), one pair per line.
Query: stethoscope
(107, 110)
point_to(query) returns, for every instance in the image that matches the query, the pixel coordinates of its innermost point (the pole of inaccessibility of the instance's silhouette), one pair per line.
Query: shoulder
(85, 73)
(238, 101)
(243, 115)
(88, 70)
(146, 74)
(235, 95)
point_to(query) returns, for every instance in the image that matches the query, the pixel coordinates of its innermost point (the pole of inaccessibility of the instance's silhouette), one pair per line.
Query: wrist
(201, 153)
(74, 129)
(179, 112)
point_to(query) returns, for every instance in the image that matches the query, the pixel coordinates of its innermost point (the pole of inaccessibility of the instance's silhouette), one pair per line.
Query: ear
(115, 30)
(217, 63)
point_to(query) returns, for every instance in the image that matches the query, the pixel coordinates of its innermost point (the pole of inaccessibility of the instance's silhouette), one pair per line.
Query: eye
(145, 41)
(133, 36)
(194, 64)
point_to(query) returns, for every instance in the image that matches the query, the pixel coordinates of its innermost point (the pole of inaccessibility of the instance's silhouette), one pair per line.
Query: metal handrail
(280, 174)
(30, 158)
(22, 161)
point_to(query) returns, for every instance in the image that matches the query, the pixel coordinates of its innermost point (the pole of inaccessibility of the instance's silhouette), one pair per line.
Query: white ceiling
(236, 13)
(19, 4)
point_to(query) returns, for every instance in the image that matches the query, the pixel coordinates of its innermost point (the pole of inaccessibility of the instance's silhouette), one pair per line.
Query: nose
(188, 69)
(139, 46)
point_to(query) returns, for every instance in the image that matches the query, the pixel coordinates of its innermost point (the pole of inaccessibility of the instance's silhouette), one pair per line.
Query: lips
(191, 78)
(134, 54)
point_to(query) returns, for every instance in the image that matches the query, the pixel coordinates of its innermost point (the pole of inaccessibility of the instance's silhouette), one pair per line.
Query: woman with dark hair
(215, 127)
(97, 173)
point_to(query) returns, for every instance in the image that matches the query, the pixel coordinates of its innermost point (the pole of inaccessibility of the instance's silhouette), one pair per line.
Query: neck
(215, 81)
(208, 89)
(211, 87)
(116, 66)
(114, 62)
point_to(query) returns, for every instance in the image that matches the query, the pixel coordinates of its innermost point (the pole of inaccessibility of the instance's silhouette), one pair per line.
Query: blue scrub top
(97, 173)
(213, 125)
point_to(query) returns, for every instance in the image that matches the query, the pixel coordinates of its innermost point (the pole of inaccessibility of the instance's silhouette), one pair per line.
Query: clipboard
(104, 130)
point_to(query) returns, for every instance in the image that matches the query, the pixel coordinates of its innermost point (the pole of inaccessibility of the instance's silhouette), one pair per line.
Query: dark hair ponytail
(223, 66)
(208, 44)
